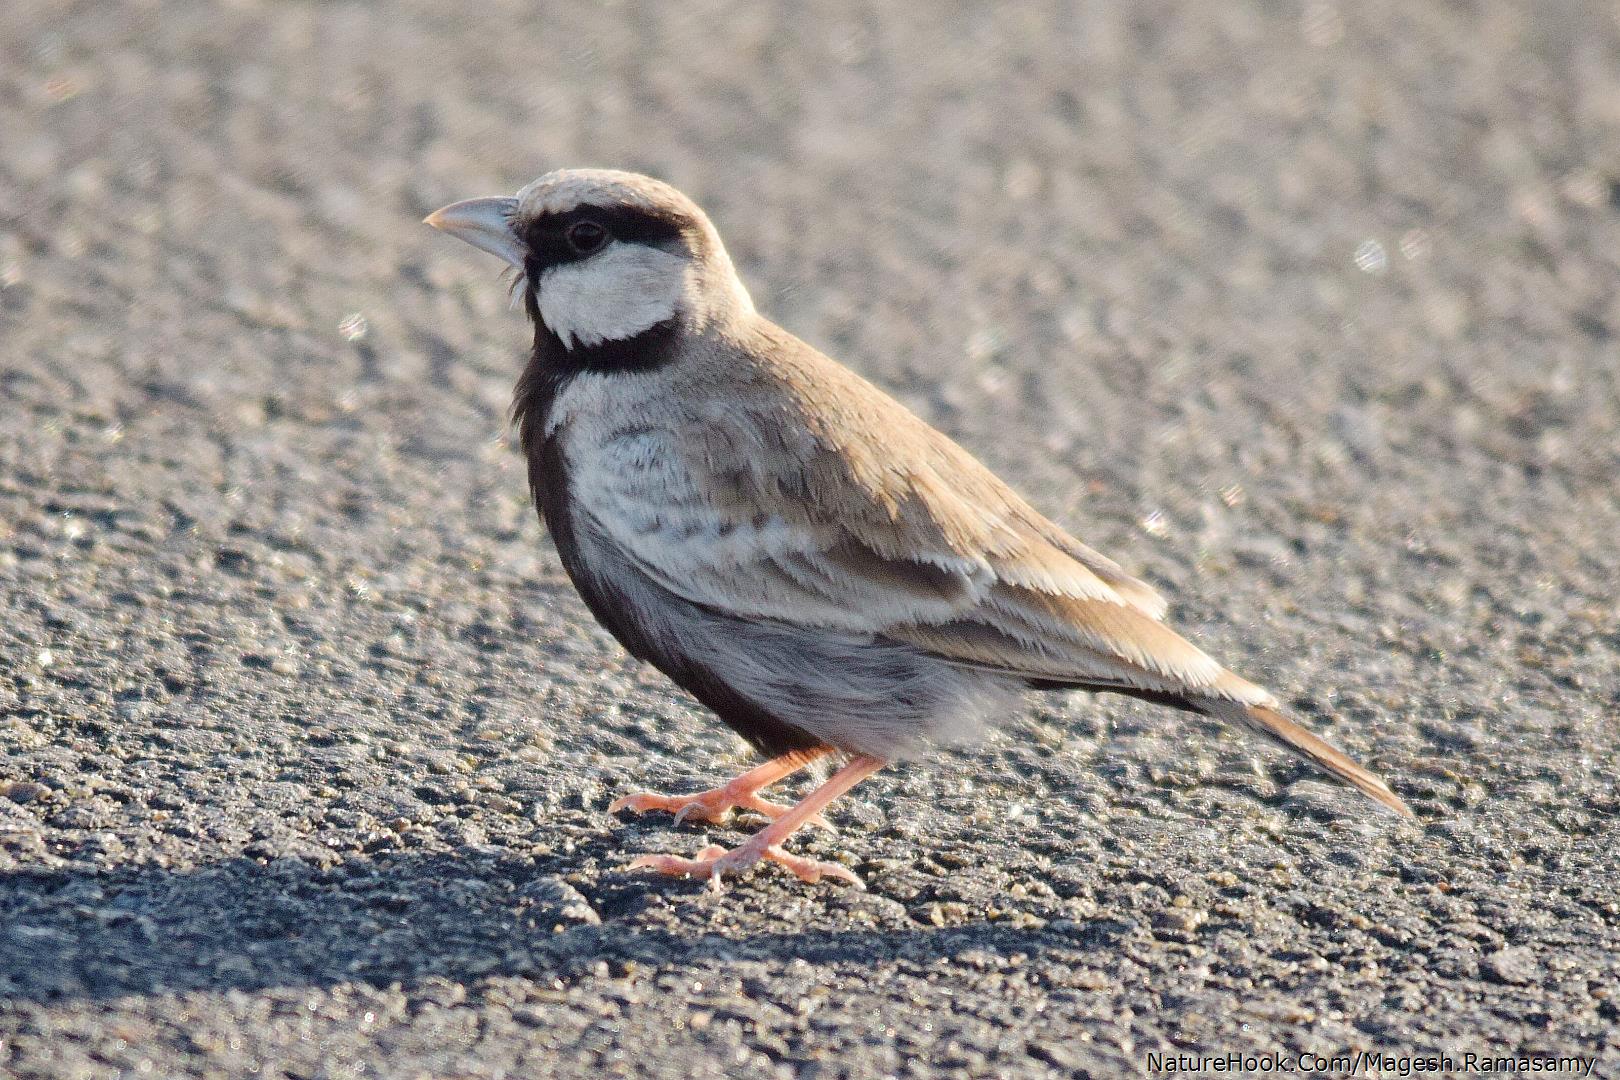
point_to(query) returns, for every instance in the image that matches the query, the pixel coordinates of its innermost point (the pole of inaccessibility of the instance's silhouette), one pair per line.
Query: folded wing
(816, 500)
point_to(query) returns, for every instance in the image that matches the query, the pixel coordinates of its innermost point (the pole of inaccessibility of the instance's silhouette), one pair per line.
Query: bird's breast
(651, 493)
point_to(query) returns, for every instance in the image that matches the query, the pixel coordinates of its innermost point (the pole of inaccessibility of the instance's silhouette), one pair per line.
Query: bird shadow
(400, 917)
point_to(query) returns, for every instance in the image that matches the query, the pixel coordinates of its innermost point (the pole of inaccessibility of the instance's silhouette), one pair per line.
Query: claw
(680, 815)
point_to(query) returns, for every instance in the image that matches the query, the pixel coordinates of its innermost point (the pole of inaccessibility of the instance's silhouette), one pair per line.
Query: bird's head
(605, 256)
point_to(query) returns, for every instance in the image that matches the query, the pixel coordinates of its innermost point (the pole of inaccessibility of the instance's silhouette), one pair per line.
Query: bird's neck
(645, 350)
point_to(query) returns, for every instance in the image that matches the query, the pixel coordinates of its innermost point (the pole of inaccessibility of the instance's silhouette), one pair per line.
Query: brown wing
(797, 492)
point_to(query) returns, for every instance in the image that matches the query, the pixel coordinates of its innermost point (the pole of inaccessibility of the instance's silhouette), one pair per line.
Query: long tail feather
(1283, 731)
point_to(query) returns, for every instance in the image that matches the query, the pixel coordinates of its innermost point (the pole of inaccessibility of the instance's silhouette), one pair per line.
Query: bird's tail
(1283, 731)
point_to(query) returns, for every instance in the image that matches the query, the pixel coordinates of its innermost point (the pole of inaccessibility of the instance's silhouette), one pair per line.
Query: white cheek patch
(612, 295)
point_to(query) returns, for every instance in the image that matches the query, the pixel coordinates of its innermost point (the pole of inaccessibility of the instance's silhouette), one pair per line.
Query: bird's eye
(586, 237)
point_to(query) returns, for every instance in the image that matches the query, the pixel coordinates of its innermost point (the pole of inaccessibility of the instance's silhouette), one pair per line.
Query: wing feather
(808, 497)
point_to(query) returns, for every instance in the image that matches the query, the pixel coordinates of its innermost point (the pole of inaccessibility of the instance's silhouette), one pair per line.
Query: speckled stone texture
(1305, 311)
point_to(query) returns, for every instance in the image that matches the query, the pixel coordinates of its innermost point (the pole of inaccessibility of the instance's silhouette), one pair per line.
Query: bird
(827, 573)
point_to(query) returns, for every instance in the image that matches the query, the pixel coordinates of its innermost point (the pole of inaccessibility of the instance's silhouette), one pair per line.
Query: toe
(675, 866)
(701, 807)
(774, 810)
(764, 807)
(813, 870)
(638, 803)
(820, 822)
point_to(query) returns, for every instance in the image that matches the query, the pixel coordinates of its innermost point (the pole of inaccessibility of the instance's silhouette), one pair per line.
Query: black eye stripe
(547, 237)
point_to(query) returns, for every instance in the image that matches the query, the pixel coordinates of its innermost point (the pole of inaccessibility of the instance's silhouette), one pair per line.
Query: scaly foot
(767, 843)
(713, 806)
(715, 860)
(717, 805)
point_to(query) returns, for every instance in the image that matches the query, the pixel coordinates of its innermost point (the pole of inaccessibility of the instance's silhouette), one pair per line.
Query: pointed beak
(486, 224)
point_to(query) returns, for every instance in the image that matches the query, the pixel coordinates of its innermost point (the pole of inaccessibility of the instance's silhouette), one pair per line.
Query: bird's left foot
(713, 806)
(714, 861)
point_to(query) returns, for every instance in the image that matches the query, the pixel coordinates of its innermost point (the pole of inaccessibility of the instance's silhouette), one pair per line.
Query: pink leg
(716, 805)
(767, 843)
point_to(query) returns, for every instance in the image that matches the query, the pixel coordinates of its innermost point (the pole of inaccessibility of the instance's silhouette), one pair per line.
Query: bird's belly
(787, 687)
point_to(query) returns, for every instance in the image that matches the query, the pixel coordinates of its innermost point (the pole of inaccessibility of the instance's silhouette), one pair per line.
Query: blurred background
(1305, 310)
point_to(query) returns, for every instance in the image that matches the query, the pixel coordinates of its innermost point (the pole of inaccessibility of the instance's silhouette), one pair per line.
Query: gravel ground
(1307, 312)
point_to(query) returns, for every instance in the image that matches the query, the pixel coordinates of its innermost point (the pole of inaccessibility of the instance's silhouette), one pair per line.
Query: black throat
(552, 365)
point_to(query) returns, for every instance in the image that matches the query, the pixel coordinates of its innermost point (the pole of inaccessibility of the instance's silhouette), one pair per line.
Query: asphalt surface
(1306, 312)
